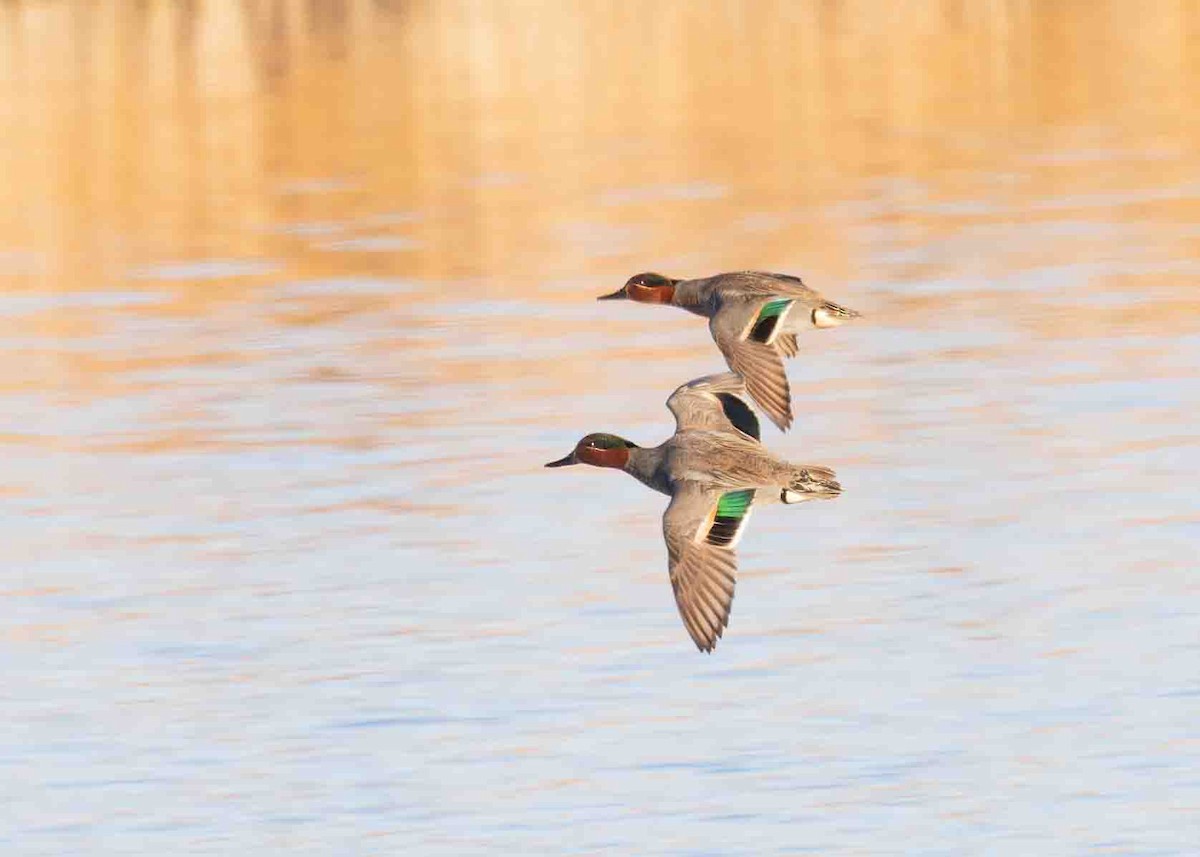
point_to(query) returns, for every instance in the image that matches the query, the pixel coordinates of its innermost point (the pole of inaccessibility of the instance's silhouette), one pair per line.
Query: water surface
(298, 297)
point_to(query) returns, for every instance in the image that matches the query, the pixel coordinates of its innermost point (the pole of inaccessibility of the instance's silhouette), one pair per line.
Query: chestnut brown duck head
(599, 450)
(645, 288)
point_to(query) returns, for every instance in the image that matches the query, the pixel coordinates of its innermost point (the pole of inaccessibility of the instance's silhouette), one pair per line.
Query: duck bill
(619, 295)
(564, 461)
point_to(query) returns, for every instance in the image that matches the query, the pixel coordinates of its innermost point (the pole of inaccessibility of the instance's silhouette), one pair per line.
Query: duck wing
(822, 312)
(749, 334)
(764, 283)
(702, 526)
(714, 402)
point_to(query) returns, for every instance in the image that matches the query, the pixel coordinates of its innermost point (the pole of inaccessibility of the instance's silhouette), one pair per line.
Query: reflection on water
(297, 297)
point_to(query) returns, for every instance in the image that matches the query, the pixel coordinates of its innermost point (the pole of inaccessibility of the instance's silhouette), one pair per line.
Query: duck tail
(810, 482)
(830, 314)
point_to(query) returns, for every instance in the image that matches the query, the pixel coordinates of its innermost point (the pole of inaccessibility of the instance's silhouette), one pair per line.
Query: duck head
(645, 288)
(598, 450)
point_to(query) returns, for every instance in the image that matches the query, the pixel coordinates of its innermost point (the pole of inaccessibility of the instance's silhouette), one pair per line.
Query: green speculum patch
(773, 308)
(734, 504)
(768, 319)
(731, 512)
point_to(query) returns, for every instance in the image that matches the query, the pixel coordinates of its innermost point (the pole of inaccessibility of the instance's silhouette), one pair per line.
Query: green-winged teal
(714, 469)
(754, 318)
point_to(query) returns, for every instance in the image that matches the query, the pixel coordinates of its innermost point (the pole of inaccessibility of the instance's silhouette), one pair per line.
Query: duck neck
(691, 296)
(645, 464)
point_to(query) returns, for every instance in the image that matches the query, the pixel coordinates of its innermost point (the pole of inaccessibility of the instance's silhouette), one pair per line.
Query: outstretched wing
(779, 285)
(702, 527)
(750, 335)
(714, 402)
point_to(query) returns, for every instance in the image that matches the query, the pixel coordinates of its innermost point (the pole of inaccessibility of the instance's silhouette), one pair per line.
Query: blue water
(308, 593)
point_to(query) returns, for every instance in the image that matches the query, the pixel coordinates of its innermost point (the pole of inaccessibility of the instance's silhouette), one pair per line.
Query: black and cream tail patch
(830, 314)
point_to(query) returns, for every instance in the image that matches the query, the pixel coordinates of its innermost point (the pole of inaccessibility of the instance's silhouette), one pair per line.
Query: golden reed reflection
(138, 130)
